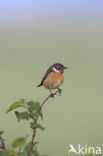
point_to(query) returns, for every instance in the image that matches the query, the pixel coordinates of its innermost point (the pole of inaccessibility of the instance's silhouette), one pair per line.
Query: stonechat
(54, 77)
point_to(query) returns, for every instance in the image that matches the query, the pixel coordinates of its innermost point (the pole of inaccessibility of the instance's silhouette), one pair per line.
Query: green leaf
(41, 115)
(33, 106)
(23, 100)
(35, 143)
(37, 105)
(12, 153)
(22, 115)
(36, 153)
(34, 115)
(41, 127)
(1, 132)
(28, 147)
(18, 142)
(30, 103)
(3, 153)
(17, 104)
(21, 154)
(33, 125)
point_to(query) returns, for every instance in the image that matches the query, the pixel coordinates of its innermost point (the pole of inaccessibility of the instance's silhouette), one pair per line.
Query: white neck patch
(55, 70)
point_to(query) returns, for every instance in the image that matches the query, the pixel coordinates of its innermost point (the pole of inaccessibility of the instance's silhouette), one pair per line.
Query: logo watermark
(85, 149)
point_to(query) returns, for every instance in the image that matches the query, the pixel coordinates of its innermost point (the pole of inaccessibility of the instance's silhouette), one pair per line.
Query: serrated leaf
(18, 142)
(1, 132)
(33, 106)
(15, 105)
(41, 127)
(22, 115)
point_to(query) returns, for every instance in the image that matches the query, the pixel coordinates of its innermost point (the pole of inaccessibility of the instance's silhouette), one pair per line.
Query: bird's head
(57, 67)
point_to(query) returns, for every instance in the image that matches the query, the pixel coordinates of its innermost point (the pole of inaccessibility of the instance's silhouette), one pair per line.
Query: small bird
(53, 78)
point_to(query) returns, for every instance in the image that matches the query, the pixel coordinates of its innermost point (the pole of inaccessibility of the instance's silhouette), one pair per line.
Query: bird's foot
(52, 95)
(60, 91)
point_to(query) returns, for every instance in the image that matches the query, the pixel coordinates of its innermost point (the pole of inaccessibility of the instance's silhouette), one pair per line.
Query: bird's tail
(39, 85)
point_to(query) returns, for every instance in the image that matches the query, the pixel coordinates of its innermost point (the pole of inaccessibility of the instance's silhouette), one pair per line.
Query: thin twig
(3, 144)
(35, 120)
(51, 95)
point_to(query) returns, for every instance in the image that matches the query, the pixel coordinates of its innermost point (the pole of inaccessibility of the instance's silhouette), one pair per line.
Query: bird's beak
(65, 67)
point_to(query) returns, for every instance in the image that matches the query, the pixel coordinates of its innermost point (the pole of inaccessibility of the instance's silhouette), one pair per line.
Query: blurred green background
(33, 36)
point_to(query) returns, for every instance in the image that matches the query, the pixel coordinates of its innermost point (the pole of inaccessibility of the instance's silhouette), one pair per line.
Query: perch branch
(40, 108)
(51, 95)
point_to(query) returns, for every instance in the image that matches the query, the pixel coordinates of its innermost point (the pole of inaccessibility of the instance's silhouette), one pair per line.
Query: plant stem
(3, 144)
(35, 120)
(34, 133)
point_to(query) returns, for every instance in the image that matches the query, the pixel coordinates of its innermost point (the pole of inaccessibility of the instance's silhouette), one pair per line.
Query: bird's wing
(46, 74)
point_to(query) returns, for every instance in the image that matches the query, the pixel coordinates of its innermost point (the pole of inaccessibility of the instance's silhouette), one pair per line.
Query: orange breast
(53, 80)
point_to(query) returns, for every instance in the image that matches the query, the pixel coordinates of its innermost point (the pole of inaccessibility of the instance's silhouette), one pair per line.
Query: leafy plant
(31, 112)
